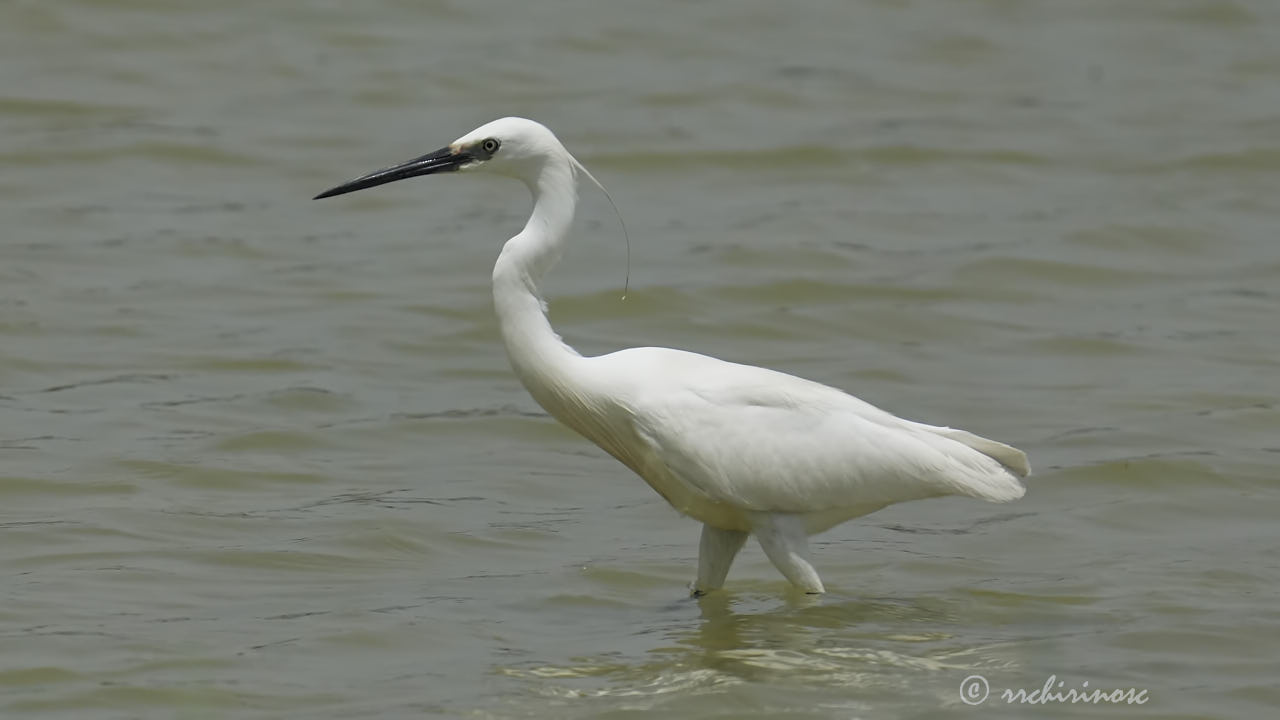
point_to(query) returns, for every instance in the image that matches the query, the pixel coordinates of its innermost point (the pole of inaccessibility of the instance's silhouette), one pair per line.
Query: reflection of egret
(742, 449)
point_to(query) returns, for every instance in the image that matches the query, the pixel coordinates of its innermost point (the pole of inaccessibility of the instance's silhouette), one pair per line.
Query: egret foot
(716, 551)
(784, 540)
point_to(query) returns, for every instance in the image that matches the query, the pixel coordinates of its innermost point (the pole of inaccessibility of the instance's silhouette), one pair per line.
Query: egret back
(762, 440)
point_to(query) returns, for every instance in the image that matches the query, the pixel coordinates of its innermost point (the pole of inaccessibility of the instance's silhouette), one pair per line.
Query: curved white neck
(541, 360)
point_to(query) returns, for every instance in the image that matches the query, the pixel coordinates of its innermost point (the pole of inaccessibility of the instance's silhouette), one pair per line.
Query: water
(263, 457)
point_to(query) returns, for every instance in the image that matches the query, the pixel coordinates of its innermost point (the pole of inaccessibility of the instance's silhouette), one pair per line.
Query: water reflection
(755, 639)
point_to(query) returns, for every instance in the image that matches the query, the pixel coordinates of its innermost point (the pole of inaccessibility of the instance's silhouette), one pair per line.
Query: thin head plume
(626, 283)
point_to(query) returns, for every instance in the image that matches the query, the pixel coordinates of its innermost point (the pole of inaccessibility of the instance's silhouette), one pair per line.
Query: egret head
(510, 146)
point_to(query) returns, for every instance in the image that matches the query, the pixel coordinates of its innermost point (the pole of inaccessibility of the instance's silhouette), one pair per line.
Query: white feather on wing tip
(1010, 457)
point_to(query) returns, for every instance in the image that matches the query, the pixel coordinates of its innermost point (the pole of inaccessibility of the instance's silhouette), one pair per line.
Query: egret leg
(715, 554)
(783, 538)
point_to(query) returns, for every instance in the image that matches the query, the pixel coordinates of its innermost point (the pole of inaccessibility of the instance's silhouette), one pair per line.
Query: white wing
(764, 440)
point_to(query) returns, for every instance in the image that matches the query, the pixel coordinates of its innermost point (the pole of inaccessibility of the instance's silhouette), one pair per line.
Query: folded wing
(768, 441)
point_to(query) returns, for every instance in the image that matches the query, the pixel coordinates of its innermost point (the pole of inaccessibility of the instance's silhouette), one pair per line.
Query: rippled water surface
(263, 457)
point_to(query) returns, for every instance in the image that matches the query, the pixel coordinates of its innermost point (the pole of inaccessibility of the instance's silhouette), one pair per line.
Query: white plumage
(743, 449)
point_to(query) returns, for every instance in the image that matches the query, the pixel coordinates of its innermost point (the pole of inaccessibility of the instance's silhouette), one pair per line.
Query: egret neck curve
(544, 363)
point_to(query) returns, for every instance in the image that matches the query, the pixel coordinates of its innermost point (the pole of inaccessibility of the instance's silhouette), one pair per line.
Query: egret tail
(1010, 457)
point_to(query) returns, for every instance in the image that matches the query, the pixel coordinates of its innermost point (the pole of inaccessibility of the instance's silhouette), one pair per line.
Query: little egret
(742, 449)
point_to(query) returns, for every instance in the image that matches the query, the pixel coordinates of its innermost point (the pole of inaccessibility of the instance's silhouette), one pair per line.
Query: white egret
(742, 449)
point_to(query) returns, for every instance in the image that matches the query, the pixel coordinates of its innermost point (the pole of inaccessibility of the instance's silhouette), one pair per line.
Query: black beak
(438, 161)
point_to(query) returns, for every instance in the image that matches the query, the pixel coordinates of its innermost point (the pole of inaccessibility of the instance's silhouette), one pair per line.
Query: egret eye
(490, 146)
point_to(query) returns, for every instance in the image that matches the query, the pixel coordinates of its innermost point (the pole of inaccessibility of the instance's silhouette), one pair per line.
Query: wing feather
(763, 440)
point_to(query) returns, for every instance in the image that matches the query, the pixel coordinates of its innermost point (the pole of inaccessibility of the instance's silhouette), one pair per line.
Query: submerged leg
(715, 554)
(785, 542)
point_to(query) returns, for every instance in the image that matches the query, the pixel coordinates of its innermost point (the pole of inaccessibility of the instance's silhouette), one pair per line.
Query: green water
(263, 457)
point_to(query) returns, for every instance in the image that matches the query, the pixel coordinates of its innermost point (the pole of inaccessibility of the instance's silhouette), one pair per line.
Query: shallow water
(263, 457)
